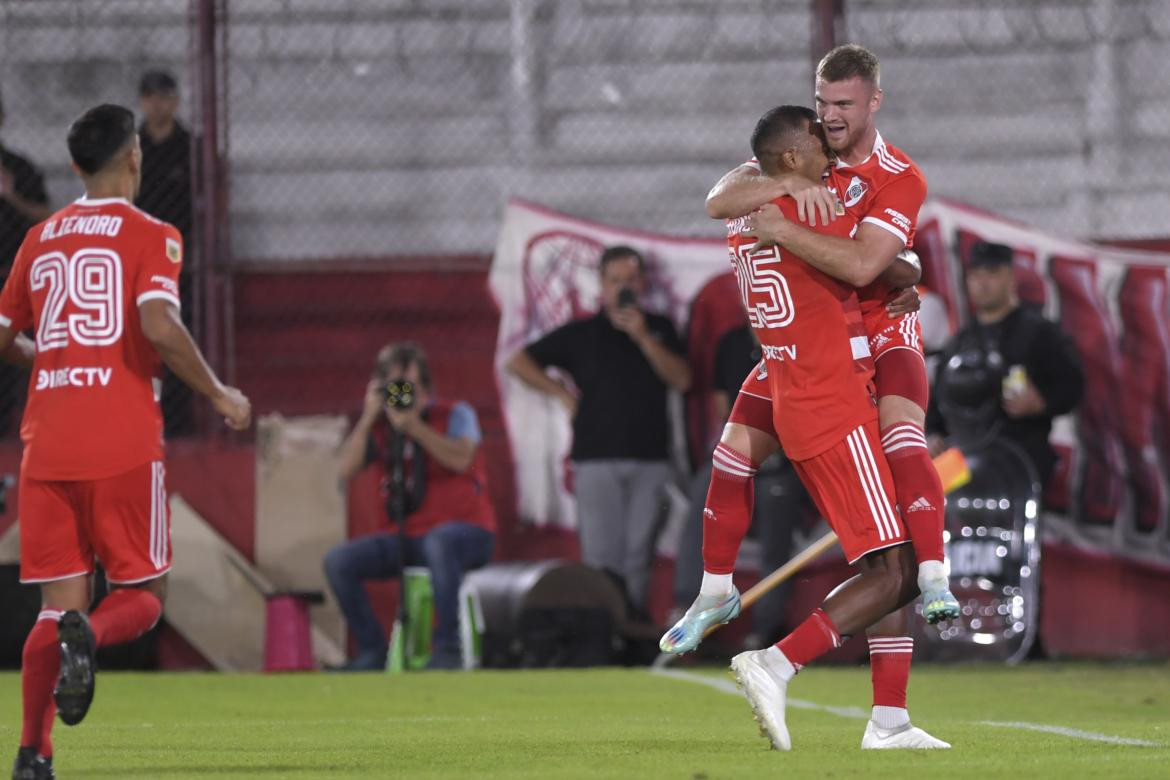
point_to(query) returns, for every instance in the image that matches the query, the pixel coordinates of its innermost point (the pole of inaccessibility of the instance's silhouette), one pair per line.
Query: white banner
(544, 274)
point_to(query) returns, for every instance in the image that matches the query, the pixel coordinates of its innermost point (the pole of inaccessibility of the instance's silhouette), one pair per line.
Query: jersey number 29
(755, 273)
(90, 280)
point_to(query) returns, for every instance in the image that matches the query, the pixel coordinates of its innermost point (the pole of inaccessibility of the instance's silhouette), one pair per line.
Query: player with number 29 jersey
(79, 279)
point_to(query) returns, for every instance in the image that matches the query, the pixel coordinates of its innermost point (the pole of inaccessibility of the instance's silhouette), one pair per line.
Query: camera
(626, 297)
(398, 394)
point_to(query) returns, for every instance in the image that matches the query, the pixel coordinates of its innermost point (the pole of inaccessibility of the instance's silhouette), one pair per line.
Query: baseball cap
(985, 254)
(157, 82)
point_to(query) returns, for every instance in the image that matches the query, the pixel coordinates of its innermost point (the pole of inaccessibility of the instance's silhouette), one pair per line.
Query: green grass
(599, 724)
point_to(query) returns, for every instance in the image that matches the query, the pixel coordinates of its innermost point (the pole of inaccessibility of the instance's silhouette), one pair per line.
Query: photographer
(623, 360)
(450, 523)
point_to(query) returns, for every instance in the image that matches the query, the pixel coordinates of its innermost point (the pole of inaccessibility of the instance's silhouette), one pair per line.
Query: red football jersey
(886, 190)
(78, 280)
(815, 349)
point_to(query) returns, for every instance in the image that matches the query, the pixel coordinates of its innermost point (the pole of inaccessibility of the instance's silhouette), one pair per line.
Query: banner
(544, 274)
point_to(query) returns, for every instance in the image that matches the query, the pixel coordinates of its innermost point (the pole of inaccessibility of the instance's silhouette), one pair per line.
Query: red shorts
(125, 520)
(852, 487)
(753, 403)
(896, 346)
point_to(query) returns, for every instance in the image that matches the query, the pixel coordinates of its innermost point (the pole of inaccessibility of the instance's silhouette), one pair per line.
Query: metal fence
(342, 130)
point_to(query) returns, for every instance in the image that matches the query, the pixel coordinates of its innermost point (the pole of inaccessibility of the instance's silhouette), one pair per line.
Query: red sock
(889, 666)
(124, 615)
(920, 493)
(728, 511)
(40, 663)
(810, 640)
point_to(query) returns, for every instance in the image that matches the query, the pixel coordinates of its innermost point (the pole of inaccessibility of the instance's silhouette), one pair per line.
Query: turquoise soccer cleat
(685, 635)
(939, 604)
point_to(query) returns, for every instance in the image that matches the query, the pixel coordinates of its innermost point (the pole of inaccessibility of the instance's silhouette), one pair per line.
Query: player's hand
(765, 226)
(1026, 403)
(235, 408)
(904, 302)
(631, 321)
(812, 200)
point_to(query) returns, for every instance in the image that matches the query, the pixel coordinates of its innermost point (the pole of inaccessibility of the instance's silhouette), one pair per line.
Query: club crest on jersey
(174, 251)
(855, 192)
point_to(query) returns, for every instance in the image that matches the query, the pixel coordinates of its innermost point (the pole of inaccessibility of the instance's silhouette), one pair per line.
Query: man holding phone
(623, 360)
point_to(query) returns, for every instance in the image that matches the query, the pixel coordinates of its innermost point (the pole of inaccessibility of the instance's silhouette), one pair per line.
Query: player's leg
(852, 487)
(903, 393)
(55, 555)
(890, 651)
(748, 439)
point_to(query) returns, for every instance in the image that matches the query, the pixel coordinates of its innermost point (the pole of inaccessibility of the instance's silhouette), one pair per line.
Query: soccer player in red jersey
(98, 283)
(818, 373)
(887, 189)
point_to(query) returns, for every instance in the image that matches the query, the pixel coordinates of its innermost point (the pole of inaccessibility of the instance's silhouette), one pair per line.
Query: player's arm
(164, 329)
(745, 189)
(856, 261)
(16, 348)
(905, 271)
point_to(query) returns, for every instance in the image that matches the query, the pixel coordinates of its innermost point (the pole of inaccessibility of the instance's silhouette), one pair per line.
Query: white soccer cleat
(766, 693)
(908, 737)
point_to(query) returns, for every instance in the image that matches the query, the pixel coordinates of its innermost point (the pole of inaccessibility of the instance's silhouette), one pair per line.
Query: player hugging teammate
(819, 299)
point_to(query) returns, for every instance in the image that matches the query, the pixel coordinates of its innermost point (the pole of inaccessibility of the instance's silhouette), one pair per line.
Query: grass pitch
(605, 723)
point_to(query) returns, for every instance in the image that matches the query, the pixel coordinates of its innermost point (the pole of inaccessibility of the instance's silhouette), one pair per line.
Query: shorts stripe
(158, 514)
(875, 496)
(883, 499)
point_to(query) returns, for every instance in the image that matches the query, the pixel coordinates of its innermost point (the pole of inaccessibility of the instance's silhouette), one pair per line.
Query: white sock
(715, 584)
(931, 572)
(890, 717)
(778, 664)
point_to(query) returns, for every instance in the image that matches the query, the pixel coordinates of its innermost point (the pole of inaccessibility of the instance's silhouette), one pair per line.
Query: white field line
(727, 686)
(1067, 732)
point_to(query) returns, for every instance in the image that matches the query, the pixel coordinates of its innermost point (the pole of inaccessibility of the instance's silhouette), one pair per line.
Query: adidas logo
(920, 505)
(708, 515)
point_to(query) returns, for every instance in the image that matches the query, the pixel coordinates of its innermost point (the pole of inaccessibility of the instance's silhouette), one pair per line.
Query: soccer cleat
(939, 604)
(908, 737)
(30, 766)
(75, 683)
(766, 693)
(685, 635)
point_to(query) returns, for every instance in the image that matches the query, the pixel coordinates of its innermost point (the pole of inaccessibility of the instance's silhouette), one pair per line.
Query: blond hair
(850, 61)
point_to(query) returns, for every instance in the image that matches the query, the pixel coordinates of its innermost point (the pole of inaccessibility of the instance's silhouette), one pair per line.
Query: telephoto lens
(399, 394)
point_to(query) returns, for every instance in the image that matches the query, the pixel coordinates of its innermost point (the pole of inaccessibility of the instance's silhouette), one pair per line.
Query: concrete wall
(371, 127)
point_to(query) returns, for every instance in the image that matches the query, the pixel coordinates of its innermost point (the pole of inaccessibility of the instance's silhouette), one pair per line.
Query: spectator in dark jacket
(1041, 375)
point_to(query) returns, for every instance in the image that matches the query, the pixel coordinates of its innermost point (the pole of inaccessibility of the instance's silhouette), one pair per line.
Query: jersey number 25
(763, 288)
(90, 280)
